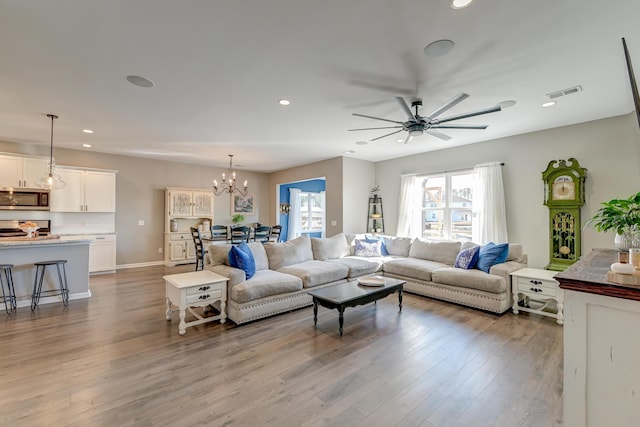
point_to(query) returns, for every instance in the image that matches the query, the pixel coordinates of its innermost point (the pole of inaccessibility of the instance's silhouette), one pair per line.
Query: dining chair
(197, 241)
(219, 233)
(276, 230)
(240, 234)
(262, 234)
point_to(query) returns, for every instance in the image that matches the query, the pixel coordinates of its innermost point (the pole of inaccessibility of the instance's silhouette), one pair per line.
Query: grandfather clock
(564, 196)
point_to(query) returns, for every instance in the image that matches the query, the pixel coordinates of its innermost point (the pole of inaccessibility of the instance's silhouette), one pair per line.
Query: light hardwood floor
(113, 360)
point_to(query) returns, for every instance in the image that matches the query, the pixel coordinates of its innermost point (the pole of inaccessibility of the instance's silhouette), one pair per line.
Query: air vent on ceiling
(564, 92)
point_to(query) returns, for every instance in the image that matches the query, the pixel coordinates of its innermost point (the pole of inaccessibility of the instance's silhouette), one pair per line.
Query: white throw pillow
(365, 249)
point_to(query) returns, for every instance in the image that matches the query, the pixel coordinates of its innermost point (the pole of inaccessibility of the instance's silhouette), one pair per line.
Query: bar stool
(8, 296)
(63, 290)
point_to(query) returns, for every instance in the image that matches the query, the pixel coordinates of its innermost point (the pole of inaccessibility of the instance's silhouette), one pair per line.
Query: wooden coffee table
(352, 294)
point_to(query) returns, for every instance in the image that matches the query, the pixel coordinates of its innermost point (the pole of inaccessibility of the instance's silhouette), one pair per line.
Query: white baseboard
(50, 300)
(139, 264)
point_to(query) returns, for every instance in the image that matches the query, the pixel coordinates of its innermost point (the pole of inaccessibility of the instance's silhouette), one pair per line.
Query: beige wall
(359, 176)
(330, 169)
(608, 148)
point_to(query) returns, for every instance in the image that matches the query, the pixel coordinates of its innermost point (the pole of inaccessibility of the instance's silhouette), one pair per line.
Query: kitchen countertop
(11, 242)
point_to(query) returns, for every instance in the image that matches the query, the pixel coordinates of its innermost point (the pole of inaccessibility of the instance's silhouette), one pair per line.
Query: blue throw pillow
(467, 258)
(492, 254)
(383, 249)
(241, 257)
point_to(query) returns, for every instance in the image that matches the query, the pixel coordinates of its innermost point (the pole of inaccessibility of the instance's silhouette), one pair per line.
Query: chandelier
(229, 185)
(51, 179)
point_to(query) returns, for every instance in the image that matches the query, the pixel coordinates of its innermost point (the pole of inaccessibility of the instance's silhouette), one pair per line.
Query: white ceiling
(219, 68)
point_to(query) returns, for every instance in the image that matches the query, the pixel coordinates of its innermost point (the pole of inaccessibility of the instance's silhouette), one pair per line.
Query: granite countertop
(12, 242)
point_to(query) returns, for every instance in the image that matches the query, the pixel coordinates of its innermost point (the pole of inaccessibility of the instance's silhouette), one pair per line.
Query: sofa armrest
(506, 268)
(235, 275)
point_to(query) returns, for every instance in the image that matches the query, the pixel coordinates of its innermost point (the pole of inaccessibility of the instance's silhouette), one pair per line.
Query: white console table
(195, 289)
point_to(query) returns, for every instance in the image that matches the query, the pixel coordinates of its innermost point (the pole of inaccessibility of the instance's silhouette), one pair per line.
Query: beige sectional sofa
(286, 271)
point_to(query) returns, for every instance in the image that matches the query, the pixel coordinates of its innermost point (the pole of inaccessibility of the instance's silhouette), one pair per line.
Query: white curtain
(323, 200)
(295, 223)
(410, 209)
(489, 213)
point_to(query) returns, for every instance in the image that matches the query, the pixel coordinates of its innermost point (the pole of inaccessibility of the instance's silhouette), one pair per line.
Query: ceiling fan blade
(376, 118)
(459, 126)
(447, 105)
(406, 108)
(471, 114)
(437, 134)
(409, 138)
(384, 136)
(385, 127)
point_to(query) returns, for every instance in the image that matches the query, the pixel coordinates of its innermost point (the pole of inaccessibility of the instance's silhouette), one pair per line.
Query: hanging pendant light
(229, 185)
(51, 179)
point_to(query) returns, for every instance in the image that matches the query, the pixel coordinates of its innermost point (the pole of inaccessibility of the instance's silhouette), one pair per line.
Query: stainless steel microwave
(24, 199)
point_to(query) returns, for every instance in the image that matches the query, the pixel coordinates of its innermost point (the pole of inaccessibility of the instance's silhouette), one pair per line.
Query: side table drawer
(204, 296)
(537, 287)
(203, 288)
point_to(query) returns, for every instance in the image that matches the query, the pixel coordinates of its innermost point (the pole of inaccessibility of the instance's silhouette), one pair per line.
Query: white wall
(608, 148)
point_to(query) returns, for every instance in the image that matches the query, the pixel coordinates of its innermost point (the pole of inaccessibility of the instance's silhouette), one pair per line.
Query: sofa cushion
(515, 252)
(240, 256)
(397, 245)
(360, 266)
(314, 273)
(412, 267)
(329, 247)
(289, 252)
(474, 279)
(263, 284)
(491, 254)
(442, 252)
(219, 254)
(368, 249)
(467, 258)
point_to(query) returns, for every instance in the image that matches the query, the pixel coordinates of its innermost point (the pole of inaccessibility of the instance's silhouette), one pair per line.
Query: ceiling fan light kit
(417, 124)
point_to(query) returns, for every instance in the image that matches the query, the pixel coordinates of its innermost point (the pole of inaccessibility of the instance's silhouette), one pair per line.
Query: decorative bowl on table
(30, 228)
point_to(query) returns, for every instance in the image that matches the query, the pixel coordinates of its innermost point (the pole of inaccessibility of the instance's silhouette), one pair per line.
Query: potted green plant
(237, 219)
(374, 192)
(621, 216)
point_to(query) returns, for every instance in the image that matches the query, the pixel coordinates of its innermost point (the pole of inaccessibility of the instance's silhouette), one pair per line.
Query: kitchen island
(22, 253)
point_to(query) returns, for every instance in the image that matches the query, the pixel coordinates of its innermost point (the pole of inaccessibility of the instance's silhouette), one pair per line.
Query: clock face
(563, 188)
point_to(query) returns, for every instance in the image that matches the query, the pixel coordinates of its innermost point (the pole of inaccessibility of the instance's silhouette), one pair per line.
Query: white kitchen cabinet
(102, 251)
(23, 172)
(84, 191)
(189, 203)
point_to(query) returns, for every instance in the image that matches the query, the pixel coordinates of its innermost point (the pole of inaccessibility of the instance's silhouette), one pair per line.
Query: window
(447, 206)
(311, 212)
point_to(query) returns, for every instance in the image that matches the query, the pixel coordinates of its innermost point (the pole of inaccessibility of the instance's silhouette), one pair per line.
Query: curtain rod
(453, 170)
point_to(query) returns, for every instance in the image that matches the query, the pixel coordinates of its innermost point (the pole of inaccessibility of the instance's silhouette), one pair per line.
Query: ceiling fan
(417, 125)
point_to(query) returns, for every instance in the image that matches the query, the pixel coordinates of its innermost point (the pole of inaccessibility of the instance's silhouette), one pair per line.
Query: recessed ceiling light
(87, 131)
(348, 152)
(284, 101)
(460, 4)
(361, 142)
(549, 104)
(86, 145)
(399, 140)
(439, 48)
(140, 81)
(506, 104)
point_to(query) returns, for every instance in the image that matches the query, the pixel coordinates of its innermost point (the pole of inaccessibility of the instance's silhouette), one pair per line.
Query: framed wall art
(243, 204)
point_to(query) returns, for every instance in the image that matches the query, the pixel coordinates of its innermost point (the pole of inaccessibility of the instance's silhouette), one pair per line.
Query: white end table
(540, 287)
(195, 289)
